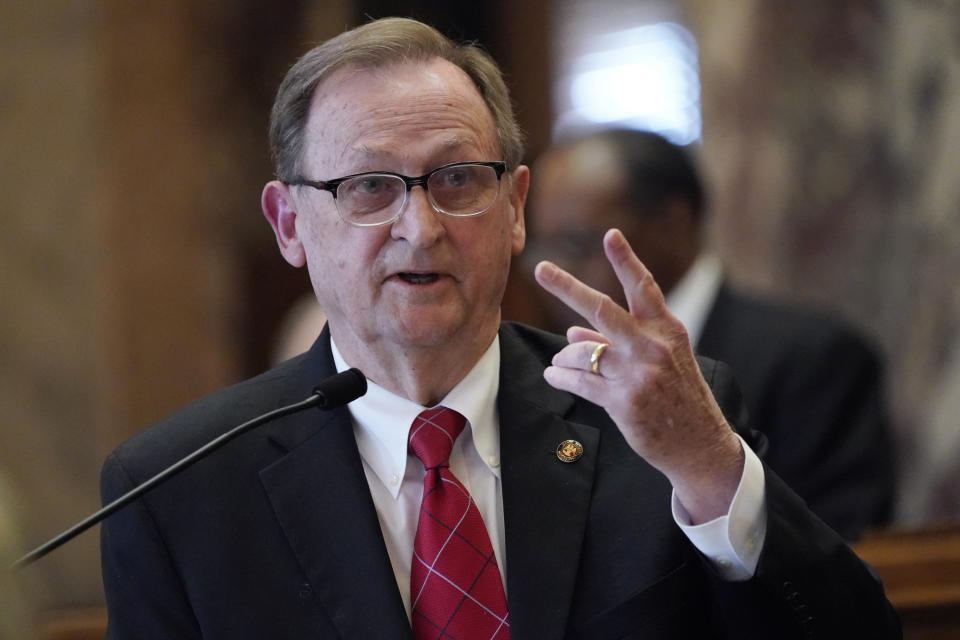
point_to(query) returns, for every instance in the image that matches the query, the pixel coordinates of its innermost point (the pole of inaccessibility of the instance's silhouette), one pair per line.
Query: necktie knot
(432, 435)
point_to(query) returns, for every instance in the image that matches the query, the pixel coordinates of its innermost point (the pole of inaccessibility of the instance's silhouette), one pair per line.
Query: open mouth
(417, 278)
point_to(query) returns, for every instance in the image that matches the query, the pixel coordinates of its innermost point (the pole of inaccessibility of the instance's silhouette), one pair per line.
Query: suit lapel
(545, 501)
(319, 493)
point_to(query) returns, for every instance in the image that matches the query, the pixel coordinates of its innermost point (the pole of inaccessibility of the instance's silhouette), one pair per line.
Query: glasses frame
(498, 166)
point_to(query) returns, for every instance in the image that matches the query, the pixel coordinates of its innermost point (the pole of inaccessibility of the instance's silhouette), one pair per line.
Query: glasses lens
(464, 189)
(370, 199)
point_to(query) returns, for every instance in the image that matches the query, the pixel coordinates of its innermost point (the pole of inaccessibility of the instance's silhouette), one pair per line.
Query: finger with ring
(595, 357)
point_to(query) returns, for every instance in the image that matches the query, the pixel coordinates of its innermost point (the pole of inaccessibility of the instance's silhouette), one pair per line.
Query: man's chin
(436, 327)
(427, 334)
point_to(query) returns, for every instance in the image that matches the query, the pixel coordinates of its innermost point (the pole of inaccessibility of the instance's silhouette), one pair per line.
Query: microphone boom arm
(343, 391)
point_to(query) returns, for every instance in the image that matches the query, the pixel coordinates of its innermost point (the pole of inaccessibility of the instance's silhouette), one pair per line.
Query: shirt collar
(382, 419)
(691, 299)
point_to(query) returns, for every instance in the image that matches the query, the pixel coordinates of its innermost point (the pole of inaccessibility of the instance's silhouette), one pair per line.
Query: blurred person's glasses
(371, 199)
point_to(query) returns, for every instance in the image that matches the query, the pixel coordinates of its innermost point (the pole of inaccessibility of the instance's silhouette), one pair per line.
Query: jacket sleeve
(809, 583)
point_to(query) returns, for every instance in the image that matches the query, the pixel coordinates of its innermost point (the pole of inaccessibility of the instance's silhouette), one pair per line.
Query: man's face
(427, 279)
(578, 193)
(576, 197)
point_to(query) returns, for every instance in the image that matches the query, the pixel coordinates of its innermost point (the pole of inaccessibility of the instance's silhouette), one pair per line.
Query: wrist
(706, 486)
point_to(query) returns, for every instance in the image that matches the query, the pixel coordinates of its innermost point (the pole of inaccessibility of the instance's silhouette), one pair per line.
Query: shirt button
(493, 461)
(750, 544)
(394, 480)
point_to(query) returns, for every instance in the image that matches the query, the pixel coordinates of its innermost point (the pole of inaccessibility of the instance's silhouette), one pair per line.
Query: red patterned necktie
(455, 587)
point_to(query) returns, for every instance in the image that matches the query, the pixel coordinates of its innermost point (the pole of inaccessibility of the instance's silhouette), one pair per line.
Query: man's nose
(419, 223)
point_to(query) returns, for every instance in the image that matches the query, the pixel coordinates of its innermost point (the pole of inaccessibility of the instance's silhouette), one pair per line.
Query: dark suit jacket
(276, 536)
(814, 387)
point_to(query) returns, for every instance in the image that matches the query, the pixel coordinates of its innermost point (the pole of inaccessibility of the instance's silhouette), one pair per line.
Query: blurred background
(137, 272)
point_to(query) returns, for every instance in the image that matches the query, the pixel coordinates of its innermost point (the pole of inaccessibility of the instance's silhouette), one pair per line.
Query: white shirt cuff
(733, 542)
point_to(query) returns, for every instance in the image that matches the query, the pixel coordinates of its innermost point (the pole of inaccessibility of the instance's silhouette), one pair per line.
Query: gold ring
(595, 357)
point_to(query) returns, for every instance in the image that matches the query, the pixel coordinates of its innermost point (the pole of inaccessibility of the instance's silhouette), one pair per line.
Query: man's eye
(456, 177)
(369, 185)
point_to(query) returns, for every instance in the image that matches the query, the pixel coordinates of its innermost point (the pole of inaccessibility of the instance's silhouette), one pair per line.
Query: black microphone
(335, 391)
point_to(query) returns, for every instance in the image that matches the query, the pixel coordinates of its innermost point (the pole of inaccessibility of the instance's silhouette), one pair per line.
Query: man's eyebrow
(450, 144)
(366, 153)
(368, 157)
(456, 143)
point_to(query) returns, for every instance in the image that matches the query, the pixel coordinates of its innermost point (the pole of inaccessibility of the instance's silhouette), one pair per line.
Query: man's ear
(280, 210)
(519, 186)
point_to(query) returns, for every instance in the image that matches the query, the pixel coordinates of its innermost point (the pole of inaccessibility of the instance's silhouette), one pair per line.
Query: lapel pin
(569, 451)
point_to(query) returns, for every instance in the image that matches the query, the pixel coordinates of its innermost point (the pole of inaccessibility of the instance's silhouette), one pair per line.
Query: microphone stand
(319, 398)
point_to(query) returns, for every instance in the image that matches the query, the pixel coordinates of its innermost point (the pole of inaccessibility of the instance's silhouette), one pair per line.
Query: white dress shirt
(691, 299)
(382, 421)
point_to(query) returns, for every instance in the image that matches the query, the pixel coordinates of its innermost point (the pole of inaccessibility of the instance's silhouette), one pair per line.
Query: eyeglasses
(461, 190)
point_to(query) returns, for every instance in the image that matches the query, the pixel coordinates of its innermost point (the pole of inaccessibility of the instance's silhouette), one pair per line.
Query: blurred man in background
(812, 384)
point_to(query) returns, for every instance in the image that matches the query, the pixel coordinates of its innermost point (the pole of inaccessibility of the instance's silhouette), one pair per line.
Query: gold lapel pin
(569, 451)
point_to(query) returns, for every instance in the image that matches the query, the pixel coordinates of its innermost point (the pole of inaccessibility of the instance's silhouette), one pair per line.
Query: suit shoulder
(535, 343)
(211, 415)
(771, 321)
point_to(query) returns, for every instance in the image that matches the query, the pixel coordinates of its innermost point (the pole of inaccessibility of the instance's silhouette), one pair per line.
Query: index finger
(603, 313)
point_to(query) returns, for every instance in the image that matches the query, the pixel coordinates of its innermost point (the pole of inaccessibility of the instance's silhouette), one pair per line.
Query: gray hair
(372, 46)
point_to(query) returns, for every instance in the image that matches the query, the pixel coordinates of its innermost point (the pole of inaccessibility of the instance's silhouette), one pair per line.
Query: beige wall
(52, 337)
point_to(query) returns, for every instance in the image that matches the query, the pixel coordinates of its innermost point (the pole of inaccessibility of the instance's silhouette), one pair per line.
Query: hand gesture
(648, 381)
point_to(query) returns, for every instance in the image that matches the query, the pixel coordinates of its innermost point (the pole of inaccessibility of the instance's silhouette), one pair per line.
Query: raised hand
(647, 380)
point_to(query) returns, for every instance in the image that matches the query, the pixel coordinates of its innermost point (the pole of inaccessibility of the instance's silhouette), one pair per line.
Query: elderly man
(495, 481)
